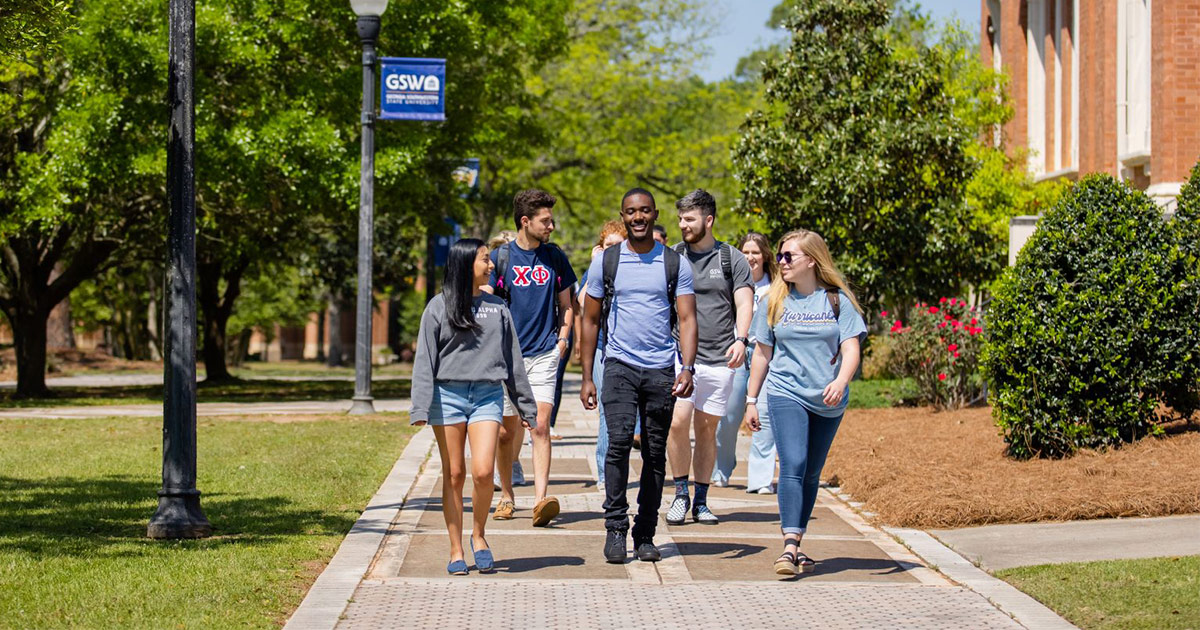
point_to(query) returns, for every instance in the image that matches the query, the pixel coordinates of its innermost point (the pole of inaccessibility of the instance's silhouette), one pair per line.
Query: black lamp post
(368, 12)
(179, 514)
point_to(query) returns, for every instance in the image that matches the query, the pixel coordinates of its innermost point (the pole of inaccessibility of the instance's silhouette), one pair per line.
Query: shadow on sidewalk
(525, 565)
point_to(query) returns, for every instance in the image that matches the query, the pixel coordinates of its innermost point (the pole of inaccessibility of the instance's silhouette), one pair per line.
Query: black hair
(698, 199)
(660, 229)
(528, 203)
(458, 286)
(638, 191)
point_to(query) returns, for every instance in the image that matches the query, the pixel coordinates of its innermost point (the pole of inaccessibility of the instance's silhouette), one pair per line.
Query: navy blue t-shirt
(533, 281)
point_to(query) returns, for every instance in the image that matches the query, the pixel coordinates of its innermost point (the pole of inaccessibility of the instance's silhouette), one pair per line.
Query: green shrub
(1095, 327)
(937, 346)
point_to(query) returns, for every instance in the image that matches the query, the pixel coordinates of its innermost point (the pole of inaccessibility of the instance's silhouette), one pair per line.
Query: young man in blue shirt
(537, 281)
(636, 293)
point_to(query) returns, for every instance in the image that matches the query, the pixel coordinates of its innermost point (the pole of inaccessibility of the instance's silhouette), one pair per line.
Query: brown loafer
(544, 511)
(504, 511)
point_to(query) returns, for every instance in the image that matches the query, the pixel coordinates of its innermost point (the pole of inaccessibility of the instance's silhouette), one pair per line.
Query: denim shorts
(456, 402)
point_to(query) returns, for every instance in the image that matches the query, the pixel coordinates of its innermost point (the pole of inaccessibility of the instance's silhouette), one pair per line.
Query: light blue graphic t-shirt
(639, 321)
(804, 340)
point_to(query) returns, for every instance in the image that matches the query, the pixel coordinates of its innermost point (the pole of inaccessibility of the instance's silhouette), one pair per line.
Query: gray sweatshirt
(492, 353)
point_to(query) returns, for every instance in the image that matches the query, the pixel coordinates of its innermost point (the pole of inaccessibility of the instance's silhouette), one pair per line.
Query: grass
(243, 391)
(877, 393)
(76, 495)
(1155, 593)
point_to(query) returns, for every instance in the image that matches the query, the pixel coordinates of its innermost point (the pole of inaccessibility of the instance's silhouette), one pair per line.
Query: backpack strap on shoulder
(835, 302)
(612, 258)
(671, 262)
(726, 254)
(502, 258)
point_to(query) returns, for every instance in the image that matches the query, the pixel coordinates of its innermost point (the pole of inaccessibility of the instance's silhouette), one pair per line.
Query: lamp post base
(362, 406)
(178, 516)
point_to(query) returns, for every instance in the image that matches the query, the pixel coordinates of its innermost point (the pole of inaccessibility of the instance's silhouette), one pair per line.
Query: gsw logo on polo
(526, 275)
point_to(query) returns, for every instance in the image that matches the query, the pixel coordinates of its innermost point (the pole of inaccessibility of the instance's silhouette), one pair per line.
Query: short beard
(696, 236)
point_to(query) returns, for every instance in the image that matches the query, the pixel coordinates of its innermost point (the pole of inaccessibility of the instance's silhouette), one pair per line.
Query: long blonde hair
(828, 276)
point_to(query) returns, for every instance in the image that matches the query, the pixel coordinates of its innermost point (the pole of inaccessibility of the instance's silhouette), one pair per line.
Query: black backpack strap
(726, 255)
(835, 301)
(671, 267)
(612, 258)
(559, 261)
(501, 288)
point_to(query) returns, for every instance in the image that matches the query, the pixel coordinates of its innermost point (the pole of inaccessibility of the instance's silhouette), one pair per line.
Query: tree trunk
(60, 330)
(217, 308)
(29, 337)
(153, 333)
(334, 357)
(321, 335)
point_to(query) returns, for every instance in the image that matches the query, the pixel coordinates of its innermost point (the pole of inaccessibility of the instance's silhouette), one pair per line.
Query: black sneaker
(615, 546)
(647, 552)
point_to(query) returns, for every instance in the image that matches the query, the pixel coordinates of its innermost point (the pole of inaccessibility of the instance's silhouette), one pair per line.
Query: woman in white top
(761, 464)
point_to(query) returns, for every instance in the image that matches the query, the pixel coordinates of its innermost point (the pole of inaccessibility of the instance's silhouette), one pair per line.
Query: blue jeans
(803, 439)
(761, 464)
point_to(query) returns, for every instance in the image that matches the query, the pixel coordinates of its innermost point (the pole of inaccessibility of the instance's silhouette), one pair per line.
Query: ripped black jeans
(629, 390)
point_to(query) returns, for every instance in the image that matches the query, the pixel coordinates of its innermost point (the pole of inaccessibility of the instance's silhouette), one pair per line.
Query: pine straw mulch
(914, 467)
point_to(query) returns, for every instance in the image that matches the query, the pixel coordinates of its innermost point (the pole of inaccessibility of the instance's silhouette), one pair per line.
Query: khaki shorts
(542, 371)
(711, 385)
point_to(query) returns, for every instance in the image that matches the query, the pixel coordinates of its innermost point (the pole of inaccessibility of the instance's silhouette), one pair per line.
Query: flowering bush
(937, 346)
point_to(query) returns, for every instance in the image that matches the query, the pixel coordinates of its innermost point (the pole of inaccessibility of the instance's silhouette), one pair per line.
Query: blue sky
(743, 28)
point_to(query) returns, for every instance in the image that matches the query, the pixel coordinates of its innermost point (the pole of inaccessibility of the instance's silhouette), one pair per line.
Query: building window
(1035, 84)
(1133, 85)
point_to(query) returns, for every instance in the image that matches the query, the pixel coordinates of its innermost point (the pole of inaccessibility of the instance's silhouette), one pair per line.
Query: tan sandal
(786, 564)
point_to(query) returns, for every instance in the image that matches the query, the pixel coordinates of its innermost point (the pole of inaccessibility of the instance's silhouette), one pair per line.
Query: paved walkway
(140, 380)
(996, 547)
(710, 576)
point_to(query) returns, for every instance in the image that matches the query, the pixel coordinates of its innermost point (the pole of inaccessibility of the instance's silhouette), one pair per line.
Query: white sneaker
(719, 483)
(766, 490)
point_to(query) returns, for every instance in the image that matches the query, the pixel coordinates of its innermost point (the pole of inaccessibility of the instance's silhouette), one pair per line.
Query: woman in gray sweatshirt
(467, 352)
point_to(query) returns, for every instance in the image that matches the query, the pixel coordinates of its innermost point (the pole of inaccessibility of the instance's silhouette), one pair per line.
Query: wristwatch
(745, 340)
(564, 340)
(752, 400)
(689, 368)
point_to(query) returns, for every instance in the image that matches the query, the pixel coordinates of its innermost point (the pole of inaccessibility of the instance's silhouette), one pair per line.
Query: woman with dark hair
(760, 467)
(467, 353)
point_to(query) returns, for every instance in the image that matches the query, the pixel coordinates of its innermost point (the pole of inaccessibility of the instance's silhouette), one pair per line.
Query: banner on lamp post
(412, 89)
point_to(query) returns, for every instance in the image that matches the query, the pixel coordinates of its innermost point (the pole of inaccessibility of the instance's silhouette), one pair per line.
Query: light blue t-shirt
(804, 341)
(639, 321)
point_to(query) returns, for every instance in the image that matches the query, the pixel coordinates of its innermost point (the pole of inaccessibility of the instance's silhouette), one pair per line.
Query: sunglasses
(785, 258)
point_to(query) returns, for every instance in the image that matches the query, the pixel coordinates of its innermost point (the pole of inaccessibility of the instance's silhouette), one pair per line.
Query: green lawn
(232, 391)
(1154, 594)
(877, 393)
(75, 497)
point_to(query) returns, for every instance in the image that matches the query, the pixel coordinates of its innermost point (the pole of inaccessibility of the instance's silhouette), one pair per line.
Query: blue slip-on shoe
(457, 567)
(484, 561)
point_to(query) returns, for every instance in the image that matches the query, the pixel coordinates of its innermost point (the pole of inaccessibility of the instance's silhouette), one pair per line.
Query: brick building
(1108, 86)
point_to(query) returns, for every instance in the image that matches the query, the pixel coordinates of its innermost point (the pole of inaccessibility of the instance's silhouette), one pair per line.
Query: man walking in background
(724, 291)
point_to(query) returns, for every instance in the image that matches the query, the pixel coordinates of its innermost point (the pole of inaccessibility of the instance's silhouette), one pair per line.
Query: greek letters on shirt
(483, 311)
(794, 318)
(526, 275)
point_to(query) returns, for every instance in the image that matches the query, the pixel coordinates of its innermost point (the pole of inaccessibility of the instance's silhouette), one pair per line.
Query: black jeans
(628, 391)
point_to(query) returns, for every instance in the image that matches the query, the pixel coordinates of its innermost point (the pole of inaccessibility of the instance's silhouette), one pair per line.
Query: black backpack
(612, 258)
(502, 259)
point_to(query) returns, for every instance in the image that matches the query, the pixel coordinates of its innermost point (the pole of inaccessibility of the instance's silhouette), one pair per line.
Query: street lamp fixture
(368, 12)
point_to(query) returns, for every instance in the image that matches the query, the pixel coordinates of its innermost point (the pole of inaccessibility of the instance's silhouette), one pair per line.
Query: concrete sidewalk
(141, 380)
(996, 547)
(710, 576)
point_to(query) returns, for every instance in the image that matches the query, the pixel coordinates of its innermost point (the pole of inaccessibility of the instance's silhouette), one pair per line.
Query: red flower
(942, 325)
(948, 317)
(953, 348)
(962, 302)
(933, 309)
(883, 314)
(941, 377)
(955, 355)
(942, 301)
(974, 321)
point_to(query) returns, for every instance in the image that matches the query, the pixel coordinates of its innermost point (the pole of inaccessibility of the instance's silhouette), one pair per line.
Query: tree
(861, 139)
(80, 168)
(32, 25)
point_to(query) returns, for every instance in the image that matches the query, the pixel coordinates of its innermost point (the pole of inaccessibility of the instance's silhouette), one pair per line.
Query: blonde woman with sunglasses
(808, 341)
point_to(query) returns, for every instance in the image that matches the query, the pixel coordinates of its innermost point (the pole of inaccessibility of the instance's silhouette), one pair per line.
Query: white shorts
(710, 388)
(542, 370)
